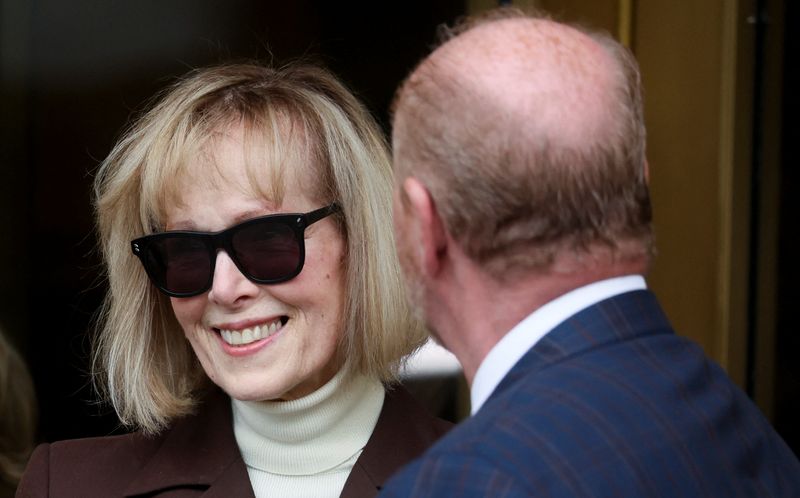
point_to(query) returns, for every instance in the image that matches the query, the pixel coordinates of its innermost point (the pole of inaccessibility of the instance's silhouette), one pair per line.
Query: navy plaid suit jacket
(610, 403)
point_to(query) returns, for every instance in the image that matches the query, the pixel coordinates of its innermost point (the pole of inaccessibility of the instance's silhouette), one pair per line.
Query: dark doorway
(787, 379)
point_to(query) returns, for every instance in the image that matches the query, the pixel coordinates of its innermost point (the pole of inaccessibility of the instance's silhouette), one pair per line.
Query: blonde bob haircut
(303, 117)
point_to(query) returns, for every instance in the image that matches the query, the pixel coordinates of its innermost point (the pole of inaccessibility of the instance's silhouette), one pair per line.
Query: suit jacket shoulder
(199, 456)
(610, 403)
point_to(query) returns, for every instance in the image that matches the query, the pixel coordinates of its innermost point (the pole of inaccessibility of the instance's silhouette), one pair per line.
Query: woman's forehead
(261, 166)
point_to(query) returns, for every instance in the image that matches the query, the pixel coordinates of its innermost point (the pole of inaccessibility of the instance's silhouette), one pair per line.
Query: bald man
(523, 221)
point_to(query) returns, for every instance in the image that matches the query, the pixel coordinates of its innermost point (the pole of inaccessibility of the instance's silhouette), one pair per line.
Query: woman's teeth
(251, 334)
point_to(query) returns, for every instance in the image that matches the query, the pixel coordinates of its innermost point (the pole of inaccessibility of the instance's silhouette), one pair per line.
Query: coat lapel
(233, 481)
(404, 430)
(200, 454)
(618, 318)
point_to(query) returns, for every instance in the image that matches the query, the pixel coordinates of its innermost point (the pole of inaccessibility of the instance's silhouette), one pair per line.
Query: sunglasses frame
(223, 240)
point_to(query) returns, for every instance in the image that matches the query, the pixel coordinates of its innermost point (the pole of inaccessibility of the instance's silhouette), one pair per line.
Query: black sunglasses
(267, 250)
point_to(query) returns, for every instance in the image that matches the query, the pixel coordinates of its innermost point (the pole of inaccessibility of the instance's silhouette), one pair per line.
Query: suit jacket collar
(619, 318)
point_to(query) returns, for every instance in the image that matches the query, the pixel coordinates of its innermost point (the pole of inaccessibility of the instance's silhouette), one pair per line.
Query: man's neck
(474, 311)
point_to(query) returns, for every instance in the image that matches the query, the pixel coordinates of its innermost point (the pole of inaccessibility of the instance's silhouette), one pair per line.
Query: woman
(255, 306)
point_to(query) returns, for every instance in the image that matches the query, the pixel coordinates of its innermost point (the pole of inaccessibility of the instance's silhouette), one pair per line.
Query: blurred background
(721, 120)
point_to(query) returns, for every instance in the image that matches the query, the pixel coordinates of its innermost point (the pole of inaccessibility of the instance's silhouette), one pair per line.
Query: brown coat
(198, 456)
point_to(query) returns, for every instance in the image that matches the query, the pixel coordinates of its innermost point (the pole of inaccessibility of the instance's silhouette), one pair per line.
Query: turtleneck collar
(309, 435)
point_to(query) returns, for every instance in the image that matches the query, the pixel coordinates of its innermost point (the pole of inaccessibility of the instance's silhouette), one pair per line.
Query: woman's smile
(250, 334)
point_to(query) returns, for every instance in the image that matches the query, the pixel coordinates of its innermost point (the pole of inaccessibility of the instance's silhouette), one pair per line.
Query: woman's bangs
(170, 164)
(278, 151)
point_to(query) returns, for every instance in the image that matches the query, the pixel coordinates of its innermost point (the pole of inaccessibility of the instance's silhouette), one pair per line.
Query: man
(523, 221)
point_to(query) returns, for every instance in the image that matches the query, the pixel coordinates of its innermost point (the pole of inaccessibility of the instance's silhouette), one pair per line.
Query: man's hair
(510, 190)
(300, 117)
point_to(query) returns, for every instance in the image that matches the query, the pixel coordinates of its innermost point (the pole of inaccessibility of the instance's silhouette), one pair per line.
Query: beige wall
(683, 54)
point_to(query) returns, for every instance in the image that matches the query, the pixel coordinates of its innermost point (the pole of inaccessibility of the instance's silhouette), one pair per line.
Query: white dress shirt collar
(513, 346)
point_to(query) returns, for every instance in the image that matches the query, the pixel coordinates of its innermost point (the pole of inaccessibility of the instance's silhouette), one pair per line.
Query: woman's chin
(240, 394)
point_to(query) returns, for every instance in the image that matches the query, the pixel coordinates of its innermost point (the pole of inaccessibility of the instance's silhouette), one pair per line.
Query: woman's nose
(230, 287)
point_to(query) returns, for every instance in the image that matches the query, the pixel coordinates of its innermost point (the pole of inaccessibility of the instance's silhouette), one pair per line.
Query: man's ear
(430, 244)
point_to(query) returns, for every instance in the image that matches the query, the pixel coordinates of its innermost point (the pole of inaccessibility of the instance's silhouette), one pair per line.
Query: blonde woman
(256, 313)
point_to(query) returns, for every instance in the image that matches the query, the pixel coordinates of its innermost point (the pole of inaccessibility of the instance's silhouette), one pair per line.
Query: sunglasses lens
(267, 251)
(180, 265)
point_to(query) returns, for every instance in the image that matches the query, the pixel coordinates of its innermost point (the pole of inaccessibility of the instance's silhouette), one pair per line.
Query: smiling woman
(256, 317)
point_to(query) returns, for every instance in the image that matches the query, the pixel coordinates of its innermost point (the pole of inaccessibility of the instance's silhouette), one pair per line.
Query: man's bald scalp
(528, 134)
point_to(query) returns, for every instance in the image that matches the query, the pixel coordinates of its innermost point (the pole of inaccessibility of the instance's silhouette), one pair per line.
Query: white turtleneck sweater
(307, 447)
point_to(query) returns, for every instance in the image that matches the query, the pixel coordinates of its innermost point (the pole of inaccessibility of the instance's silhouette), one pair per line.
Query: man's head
(529, 137)
(520, 174)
